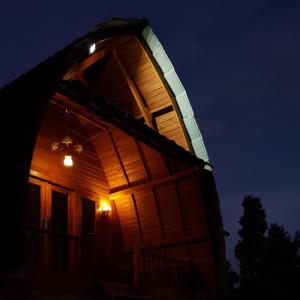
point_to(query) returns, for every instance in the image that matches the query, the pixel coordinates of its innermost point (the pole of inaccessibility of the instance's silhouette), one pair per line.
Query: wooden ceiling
(124, 72)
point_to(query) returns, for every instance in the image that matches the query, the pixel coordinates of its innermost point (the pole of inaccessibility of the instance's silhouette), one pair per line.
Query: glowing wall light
(104, 208)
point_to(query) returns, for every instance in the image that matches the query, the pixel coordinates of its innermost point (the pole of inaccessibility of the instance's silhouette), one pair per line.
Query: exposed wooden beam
(138, 218)
(64, 103)
(150, 184)
(181, 209)
(119, 157)
(79, 67)
(155, 200)
(134, 90)
(162, 111)
(143, 159)
(153, 191)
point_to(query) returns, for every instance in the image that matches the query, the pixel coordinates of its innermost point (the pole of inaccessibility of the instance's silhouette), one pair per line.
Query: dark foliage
(280, 273)
(269, 264)
(249, 249)
(232, 277)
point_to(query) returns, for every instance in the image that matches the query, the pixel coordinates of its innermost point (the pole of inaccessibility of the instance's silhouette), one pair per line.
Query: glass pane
(59, 212)
(88, 216)
(33, 205)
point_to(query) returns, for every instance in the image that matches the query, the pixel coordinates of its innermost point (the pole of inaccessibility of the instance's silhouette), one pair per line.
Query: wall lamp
(104, 208)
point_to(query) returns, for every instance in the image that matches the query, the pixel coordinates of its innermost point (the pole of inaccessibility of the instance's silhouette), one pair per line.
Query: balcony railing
(160, 271)
(50, 251)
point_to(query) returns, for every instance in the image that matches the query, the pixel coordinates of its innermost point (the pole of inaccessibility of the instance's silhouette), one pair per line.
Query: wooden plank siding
(152, 89)
(128, 221)
(86, 175)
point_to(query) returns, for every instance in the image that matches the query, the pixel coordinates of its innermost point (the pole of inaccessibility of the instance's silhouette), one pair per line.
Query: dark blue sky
(240, 64)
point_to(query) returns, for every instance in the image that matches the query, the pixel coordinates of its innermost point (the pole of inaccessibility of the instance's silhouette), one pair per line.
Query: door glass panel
(88, 216)
(33, 205)
(59, 211)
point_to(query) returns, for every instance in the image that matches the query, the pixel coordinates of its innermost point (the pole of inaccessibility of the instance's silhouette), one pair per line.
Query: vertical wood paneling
(130, 156)
(109, 160)
(192, 206)
(86, 175)
(148, 216)
(170, 211)
(154, 162)
(128, 220)
(203, 260)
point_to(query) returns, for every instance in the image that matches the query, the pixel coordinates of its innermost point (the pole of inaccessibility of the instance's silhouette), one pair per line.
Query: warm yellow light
(104, 207)
(68, 161)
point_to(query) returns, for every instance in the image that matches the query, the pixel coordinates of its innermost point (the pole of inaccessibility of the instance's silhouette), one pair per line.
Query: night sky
(240, 64)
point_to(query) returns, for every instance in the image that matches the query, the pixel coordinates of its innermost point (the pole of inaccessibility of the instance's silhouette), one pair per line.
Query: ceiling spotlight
(92, 48)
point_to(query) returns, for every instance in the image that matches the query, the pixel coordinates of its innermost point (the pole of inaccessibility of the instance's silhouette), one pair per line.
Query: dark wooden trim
(52, 183)
(162, 111)
(138, 218)
(154, 197)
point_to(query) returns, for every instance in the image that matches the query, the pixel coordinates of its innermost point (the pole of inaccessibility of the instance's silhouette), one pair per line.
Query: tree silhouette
(280, 274)
(249, 249)
(232, 276)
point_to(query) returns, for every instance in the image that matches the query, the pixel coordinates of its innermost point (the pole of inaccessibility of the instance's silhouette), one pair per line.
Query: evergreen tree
(281, 274)
(232, 276)
(232, 279)
(249, 249)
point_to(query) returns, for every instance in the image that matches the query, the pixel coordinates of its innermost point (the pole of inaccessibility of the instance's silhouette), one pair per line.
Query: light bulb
(68, 161)
(92, 48)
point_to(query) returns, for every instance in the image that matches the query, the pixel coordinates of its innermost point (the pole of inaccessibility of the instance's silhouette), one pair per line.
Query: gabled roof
(46, 78)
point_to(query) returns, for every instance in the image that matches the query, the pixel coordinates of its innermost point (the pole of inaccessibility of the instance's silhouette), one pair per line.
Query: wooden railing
(159, 271)
(50, 251)
(164, 271)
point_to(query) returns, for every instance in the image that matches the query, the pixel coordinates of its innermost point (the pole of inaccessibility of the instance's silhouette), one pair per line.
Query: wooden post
(137, 265)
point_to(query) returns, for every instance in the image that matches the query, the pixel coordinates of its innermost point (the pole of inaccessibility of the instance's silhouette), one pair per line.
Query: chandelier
(67, 145)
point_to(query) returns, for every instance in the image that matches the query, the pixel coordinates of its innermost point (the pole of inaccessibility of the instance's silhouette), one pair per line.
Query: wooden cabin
(137, 214)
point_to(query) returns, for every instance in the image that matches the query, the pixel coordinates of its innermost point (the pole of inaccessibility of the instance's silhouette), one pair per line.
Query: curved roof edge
(177, 88)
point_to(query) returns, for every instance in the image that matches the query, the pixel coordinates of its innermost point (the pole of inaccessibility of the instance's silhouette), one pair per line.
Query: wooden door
(58, 238)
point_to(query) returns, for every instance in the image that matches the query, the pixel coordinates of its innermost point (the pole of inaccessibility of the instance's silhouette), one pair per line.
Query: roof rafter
(134, 90)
